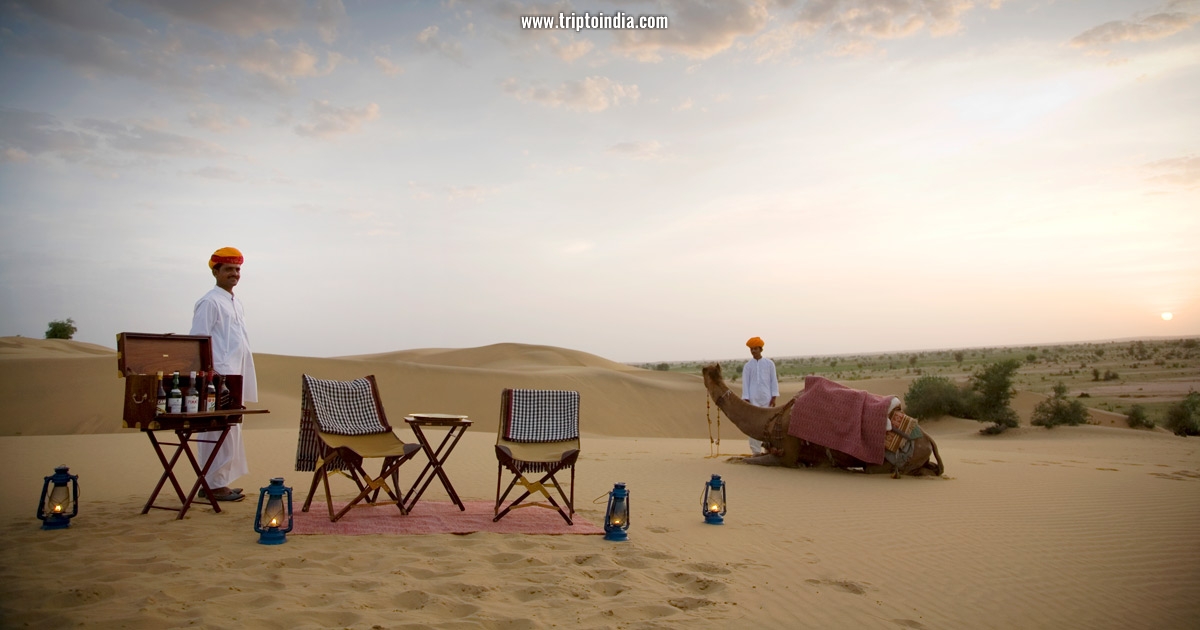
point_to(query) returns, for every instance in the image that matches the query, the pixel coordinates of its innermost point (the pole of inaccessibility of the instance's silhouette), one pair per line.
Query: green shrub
(1137, 418)
(993, 390)
(934, 396)
(1183, 418)
(1058, 409)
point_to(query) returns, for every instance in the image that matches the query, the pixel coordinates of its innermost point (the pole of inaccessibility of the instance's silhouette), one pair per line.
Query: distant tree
(958, 357)
(912, 361)
(1058, 409)
(993, 388)
(1137, 418)
(1099, 352)
(1110, 375)
(1183, 418)
(1095, 374)
(1031, 357)
(64, 329)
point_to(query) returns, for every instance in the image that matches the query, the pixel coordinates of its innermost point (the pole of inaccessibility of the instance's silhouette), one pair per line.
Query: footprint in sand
(908, 623)
(689, 603)
(844, 585)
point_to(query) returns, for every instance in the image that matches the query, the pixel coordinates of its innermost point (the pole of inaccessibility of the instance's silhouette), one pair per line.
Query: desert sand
(1075, 527)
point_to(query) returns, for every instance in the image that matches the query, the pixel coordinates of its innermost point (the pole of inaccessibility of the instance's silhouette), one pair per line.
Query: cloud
(1148, 28)
(245, 18)
(92, 17)
(698, 29)
(220, 173)
(328, 121)
(24, 134)
(388, 67)
(212, 117)
(572, 50)
(593, 94)
(638, 150)
(280, 66)
(429, 41)
(144, 139)
(92, 37)
(1179, 171)
(425, 192)
(870, 19)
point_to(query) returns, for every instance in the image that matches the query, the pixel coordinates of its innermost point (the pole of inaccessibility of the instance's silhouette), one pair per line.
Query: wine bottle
(161, 407)
(225, 400)
(175, 398)
(210, 393)
(192, 402)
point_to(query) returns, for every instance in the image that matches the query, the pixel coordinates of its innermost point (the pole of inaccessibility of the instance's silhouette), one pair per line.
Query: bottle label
(174, 405)
(212, 404)
(193, 403)
(162, 405)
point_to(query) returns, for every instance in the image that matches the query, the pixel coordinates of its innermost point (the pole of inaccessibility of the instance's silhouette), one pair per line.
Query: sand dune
(1079, 527)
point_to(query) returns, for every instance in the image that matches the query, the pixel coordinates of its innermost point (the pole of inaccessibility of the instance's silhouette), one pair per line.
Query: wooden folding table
(185, 426)
(457, 426)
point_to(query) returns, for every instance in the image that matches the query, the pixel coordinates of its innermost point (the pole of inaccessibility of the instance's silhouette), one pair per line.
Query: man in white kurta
(220, 315)
(760, 386)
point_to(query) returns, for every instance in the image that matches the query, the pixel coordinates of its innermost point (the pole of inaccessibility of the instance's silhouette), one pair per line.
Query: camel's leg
(791, 452)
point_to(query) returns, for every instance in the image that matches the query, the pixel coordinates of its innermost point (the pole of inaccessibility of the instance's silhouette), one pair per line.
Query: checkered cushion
(539, 415)
(345, 407)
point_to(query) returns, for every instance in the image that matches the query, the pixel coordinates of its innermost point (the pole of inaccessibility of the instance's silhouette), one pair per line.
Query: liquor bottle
(201, 390)
(225, 400)
(175, 398)
(210, 393)
(193, 395)
(161, 407)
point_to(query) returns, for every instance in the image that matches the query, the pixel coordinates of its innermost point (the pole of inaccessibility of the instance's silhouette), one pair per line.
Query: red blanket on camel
(841, 418)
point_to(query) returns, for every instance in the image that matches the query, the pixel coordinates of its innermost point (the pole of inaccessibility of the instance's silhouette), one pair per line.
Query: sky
(834, 176)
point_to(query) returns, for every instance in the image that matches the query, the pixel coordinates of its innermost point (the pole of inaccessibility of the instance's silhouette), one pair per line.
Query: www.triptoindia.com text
(578, 22)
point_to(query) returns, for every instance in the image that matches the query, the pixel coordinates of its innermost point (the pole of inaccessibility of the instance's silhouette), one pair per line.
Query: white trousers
(755, 446)
(230, 462)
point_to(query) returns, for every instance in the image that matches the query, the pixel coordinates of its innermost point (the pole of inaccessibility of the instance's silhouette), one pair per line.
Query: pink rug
(436, 517)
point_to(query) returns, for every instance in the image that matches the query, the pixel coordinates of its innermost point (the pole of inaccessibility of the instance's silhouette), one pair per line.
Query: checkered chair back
(340, 407)
(540, 415)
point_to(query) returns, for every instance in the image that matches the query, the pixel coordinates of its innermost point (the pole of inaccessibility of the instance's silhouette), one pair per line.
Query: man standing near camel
(760, 386)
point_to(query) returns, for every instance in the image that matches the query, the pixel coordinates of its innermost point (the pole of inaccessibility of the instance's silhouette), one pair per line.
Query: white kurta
(220, 316)
(759, 385)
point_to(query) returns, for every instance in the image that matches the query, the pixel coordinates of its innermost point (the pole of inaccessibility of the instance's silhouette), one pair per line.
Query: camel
(769, 424)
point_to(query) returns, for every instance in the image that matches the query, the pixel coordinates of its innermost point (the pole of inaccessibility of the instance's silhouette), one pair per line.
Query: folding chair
(538, 438)
(341, 424)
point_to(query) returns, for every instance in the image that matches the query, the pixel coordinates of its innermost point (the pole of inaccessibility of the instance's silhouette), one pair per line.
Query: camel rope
(708, 415)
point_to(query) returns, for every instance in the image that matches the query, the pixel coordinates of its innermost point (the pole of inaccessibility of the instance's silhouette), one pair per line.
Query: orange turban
(754, 342)
(225, 256)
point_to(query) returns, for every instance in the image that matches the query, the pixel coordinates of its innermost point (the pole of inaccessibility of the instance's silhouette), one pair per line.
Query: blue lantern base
(56, 522)
(714, 519)
(616, 535)
(272, 537)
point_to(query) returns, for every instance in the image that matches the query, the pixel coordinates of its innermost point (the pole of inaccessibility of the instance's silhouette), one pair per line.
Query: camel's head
(712, 374)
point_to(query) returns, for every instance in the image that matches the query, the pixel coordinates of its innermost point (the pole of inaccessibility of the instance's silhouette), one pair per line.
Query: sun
(1167, 316)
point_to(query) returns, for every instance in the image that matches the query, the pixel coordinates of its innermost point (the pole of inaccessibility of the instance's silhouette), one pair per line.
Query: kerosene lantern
(714, 501)
(274, 518)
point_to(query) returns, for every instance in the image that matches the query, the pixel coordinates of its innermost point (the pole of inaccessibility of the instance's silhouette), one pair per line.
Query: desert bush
(1110, 375)
(933, 396)
(1058, 409)
(1137, 418)
(1183, 418)
(992, 387)
(61, 329)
